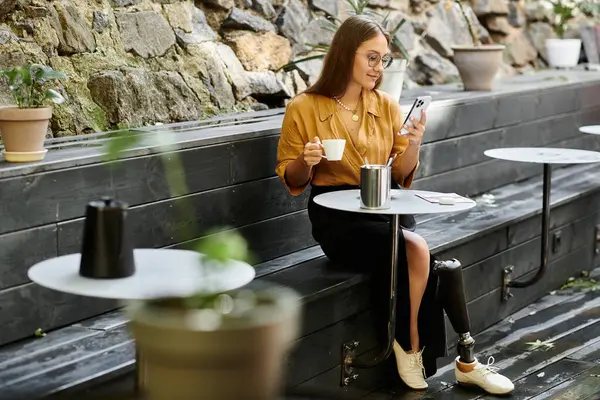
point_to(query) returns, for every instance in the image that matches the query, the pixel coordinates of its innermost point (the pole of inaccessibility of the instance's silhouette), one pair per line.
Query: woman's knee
(416, 247)
(416, 242)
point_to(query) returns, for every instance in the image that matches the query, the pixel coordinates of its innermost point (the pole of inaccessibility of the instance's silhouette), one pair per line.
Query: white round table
(158, 272)
(546, 156)
(402, 202)
(591, 129)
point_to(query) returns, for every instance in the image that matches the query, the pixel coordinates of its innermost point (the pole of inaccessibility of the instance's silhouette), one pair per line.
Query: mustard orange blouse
(310, 115)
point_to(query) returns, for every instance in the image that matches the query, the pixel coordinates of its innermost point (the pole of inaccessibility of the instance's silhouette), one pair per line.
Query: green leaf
(119, 142)
(371, 14)
(330, 25)
(301, 60)
(222, 245)
(401, 47)
(319, 46)
(43, 73)
(53, 96)
(39, 333)
(397, 28)
(26, 75)
(353, 5)
(219, 245)
(48, 75)
(28, 85)
(335, 21)
(11, 75)
(386, 18)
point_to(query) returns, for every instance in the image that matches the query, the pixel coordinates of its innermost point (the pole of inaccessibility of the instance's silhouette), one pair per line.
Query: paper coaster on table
(435, 197)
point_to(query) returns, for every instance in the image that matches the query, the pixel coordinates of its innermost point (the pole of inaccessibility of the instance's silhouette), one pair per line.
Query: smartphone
(421, 103)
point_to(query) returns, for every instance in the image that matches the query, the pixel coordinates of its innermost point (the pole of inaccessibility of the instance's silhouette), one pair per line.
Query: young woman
(344, 104)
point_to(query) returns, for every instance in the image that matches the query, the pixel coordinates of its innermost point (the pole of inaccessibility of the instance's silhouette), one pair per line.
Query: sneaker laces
(416, 360)
(488, 368)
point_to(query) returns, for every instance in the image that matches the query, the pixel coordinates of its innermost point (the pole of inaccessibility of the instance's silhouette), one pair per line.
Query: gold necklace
(345, 107)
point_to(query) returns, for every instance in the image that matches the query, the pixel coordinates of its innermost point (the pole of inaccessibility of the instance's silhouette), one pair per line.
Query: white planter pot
(393, 79)
(563, 52)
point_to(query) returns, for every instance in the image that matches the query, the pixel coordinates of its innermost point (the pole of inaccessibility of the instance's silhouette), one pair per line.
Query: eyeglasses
(374, 59)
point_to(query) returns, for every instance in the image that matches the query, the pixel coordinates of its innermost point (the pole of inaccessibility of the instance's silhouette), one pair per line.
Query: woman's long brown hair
(339, 60)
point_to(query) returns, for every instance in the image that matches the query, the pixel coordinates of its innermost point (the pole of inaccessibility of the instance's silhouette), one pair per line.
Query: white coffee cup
(334, 149)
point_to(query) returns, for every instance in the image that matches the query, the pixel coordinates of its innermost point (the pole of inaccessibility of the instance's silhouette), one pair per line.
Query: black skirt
(362, 243)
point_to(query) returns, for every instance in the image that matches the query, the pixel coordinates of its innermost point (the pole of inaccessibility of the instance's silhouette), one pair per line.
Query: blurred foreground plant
(219, 243)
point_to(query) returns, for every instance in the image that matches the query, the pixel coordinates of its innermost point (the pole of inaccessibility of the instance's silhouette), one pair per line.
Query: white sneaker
(484, 376)
(410, 367)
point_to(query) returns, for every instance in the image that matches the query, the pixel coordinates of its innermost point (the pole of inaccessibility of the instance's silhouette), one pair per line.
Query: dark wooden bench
(229, 163)
(486, 239)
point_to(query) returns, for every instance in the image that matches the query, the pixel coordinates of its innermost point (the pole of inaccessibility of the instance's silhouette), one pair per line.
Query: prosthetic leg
(452, 294)
(468, 370)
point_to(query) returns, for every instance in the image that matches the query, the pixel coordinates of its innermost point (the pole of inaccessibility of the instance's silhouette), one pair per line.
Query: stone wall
(139, 62)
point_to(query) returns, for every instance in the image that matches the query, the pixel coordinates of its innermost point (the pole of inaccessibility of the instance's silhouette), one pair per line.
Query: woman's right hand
(313, 152)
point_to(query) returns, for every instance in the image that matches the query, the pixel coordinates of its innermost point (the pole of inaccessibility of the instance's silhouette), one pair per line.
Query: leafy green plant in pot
(393, 76)
(477, 63)
(216, 345)
(210, 345)
(23, 127)
(562, 52)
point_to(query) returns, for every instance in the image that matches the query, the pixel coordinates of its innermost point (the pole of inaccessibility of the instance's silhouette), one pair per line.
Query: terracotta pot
(23, 132)
(190, 354)
(479, 65)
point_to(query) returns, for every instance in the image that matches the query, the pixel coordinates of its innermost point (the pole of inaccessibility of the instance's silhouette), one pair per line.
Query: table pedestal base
(349, 360)
(507, 281)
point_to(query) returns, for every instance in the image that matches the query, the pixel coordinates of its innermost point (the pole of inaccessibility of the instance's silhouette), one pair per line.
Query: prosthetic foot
(469, 371)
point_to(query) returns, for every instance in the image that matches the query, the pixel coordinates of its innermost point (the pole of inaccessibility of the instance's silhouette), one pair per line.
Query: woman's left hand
(415, 133)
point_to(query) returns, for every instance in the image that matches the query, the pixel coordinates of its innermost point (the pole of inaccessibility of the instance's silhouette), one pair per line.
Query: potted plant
(478, 63)
(562, 52)
(23, 127)
(393, 76)
(224, 345)
(211, 345)
(590, 32)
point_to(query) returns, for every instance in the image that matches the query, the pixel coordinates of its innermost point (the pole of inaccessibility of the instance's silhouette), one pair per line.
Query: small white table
(591, 129)
(546, 156)
(403, 202)
(158, 273)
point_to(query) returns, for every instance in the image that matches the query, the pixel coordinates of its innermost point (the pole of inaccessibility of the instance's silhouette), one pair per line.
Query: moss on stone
(90, 63)
(82, 113)
(45, 35)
